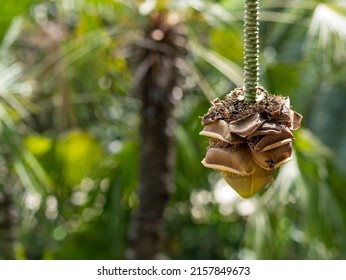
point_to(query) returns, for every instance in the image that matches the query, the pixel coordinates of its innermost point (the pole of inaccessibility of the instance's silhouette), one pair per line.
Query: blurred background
(75, 76)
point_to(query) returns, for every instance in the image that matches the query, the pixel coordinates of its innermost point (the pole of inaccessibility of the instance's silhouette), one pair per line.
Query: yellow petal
(247, 186)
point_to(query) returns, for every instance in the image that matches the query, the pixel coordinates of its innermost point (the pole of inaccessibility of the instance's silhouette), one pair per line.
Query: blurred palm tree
(157, 85)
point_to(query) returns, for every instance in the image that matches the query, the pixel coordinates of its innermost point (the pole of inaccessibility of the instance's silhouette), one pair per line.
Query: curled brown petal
(267, 128)
(273, 158)
(247, 186)
(247, 126)
(272, 141)
(283, 113)
(295, 120)
(235, 160)
(285, 110)
(220, 130)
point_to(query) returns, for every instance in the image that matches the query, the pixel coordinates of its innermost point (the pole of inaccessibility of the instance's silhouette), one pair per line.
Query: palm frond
(226, 67)
(29, 171)
(328, 28)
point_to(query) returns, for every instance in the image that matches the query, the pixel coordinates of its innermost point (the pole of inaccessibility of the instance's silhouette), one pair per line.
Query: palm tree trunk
(157, 79)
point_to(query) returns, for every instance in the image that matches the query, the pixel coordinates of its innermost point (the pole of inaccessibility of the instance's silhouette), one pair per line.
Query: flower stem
(251, 49)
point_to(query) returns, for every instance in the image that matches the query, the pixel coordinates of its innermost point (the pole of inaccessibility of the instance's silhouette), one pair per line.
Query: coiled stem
(251, 49)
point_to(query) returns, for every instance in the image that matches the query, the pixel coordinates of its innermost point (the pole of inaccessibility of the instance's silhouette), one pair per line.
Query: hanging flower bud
(247, 142)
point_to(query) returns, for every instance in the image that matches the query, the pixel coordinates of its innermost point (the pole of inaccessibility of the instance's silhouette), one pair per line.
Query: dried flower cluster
(247, 142)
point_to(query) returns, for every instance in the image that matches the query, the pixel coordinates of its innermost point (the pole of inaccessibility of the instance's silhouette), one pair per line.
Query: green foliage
(69, 130)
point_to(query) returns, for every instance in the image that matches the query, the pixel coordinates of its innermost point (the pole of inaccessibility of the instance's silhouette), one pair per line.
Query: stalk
(251, 49)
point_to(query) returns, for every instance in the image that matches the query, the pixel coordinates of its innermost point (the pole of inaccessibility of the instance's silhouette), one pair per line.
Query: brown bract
(247, 142)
